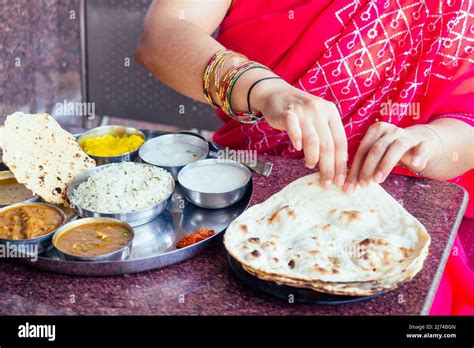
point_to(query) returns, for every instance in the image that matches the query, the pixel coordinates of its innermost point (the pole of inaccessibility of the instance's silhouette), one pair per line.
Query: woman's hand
(384, 146)
(312, 123)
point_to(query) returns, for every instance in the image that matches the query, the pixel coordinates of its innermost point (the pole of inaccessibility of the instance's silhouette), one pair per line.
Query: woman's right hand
(313, 124)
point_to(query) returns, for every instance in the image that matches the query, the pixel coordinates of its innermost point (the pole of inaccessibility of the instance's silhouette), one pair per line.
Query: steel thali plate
(154, 245)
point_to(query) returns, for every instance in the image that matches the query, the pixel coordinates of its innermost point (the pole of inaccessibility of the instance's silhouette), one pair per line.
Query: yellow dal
(111, 145)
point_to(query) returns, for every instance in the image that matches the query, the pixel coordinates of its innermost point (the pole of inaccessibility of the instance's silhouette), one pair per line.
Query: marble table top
(205, 285)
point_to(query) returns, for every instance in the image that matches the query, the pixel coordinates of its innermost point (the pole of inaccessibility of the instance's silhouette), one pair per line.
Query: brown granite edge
(425, 310)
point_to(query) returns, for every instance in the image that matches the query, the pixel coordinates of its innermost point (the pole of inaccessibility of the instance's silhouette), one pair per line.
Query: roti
(326, 240)
(42, 155)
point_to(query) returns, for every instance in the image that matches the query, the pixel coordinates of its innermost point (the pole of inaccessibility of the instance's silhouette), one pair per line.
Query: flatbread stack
(42, 155)
(306, 236)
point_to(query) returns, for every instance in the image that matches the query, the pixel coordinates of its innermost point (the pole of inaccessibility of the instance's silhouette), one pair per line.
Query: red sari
(402, 62)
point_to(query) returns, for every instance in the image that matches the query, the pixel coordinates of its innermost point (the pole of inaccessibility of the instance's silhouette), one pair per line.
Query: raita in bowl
(214, 183)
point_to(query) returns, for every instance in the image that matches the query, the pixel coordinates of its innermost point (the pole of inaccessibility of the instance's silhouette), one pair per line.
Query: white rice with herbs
(123, 188)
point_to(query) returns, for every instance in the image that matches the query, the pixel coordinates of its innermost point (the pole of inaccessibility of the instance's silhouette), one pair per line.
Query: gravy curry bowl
(214, 183)
(94, 239)
(12, 192)
(39, 222)
(174, 151)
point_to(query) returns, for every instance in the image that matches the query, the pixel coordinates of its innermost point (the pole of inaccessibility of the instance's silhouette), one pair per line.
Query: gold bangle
(225, 92)
(220, 64)
(207, 74)
(212, 74)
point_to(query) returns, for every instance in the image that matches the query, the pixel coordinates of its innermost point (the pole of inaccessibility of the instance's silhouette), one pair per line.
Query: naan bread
(326, 240)
(42, 155)
(349, 288)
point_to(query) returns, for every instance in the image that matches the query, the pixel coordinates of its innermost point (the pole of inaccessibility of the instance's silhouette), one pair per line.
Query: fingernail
(310, 166)
(340, 180)
(349, 188)
(416, 161)
(298, 145)
(378, 177)
(362, 183)
(327, 183)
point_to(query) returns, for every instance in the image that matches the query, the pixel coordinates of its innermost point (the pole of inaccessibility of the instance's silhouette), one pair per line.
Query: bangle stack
(225, 86)
(228, 86)
(212, 73)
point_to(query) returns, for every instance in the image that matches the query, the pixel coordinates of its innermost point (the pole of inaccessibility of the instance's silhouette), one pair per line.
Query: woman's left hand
(384, 146)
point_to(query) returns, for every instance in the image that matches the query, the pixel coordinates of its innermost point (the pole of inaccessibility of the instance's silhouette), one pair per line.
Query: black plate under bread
(284, 292)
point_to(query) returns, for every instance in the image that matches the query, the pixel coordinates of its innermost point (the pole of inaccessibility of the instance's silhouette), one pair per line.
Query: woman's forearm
(176, 45)
(453, 149)
(174, 49)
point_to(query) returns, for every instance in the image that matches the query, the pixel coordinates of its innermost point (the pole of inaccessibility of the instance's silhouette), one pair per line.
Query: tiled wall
(40, 60)
(39, 54)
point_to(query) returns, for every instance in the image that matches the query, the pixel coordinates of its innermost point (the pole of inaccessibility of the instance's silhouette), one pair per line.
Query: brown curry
(29, 221)
(93, 239)
(13, 192)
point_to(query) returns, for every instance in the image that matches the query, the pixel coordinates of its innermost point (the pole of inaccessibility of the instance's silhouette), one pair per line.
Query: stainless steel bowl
(42, 243)
(134, 218)
(190, 132)
(151, 144)
(5, 175)
(214, 200)
(120, 254)
(112, 130)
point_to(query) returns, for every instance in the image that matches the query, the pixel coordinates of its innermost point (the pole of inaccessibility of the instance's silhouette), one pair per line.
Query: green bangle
(243, 117)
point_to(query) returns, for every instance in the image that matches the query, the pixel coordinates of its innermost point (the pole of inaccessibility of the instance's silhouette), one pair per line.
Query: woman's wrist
(235, 84)
(241, 88)
(263, 90)
(435, 144)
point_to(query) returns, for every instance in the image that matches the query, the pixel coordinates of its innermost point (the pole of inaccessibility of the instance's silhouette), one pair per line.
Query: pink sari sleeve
(464, 117)
(453, 100)
(459, 103)
(453, 92)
